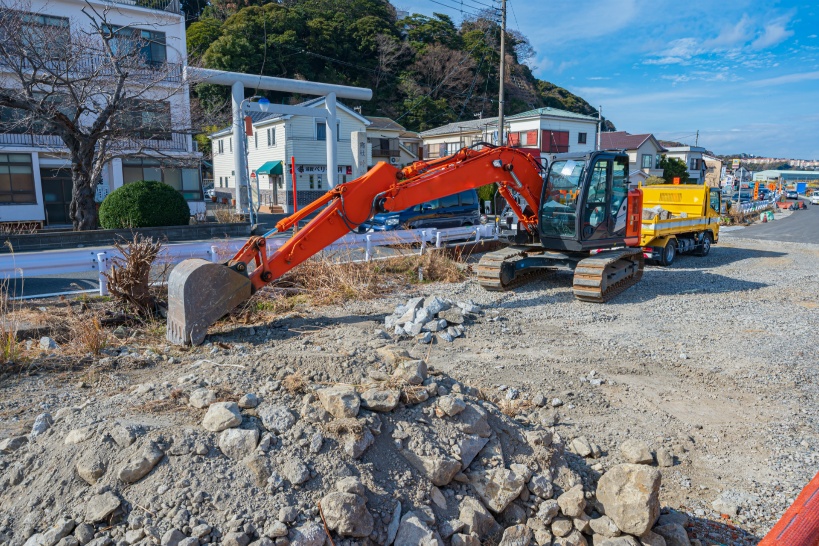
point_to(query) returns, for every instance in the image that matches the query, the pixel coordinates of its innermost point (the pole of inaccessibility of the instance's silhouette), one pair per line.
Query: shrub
(653, 180)
(145, 203)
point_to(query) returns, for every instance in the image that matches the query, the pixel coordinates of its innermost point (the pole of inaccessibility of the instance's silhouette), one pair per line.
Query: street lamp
(246, 150)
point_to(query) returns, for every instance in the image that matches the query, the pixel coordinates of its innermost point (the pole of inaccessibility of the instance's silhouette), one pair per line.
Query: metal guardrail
(83, 260)
(756, 206)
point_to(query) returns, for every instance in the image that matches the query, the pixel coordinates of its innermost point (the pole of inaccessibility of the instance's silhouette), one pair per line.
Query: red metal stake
(293, 172)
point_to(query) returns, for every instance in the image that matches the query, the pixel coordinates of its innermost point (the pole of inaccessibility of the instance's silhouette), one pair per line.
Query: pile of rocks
(393, 453)
(423, 317)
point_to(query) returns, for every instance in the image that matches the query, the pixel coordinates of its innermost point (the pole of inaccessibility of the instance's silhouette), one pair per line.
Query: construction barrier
(799, 526)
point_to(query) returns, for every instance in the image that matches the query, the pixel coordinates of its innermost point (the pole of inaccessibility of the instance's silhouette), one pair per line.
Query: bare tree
(442, 72)
(95, 87)
(390, 50)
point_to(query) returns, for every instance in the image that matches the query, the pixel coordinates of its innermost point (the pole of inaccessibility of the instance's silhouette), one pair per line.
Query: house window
(657, 160)
(318, 181)
(271, 137)
(149, 44)
(47, 33)
(321, 131)
(147, 119)
(230, 144)
(184, 180)
(312, 182)
(554, 142)
(647, 160)
(220, 145)
(694, 164)
(221, 184)
(256, 139)
(581, 138)
(17, 179)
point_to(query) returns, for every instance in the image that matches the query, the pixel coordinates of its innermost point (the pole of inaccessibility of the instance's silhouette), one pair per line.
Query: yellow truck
(679, 219)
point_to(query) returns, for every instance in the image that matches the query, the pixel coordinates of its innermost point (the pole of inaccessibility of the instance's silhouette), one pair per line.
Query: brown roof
(621, 140)
(384, 123)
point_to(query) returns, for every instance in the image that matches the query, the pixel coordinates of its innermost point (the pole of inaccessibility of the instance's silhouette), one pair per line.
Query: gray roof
(470, 125)
(261, 117)
(387, 124)
(549, 111)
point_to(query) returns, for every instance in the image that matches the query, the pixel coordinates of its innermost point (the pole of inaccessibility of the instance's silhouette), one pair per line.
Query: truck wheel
(705, 246)
(669, 253)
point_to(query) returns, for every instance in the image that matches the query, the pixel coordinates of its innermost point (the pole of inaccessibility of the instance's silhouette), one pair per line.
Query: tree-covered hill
(424, 71)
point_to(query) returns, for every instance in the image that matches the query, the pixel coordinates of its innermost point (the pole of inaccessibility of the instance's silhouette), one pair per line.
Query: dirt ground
(713, 359)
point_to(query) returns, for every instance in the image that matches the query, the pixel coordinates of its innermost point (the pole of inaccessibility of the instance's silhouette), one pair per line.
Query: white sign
(322, 169)
(102, 192)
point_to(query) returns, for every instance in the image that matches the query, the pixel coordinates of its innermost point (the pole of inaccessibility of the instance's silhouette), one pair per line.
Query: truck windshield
(558, 211)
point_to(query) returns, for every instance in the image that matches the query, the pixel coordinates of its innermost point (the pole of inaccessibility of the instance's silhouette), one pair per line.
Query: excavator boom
(201, 292)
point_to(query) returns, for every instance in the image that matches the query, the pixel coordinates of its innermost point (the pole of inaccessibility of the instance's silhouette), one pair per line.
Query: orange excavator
(578, 215)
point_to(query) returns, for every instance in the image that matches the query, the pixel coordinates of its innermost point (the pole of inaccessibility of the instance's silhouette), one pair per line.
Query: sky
(744, 73)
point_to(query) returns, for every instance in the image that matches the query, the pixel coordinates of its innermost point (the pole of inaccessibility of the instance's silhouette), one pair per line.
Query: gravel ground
(711, 360)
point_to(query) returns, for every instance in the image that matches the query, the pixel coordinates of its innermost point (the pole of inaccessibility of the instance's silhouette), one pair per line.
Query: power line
(457, 8)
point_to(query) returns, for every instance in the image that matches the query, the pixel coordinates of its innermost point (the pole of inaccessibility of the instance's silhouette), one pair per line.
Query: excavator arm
(201, 292)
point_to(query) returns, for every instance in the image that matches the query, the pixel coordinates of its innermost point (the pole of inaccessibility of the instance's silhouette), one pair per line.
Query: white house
(391, 142)
(548, 130)
(39, 193)
(644, 153)
(692, 156)
(278, 138)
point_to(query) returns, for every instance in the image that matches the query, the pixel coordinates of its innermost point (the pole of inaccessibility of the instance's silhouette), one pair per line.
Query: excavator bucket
(199, 294)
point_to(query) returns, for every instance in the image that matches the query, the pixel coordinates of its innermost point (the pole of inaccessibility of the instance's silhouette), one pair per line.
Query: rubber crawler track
(491, 264)
(591, 276)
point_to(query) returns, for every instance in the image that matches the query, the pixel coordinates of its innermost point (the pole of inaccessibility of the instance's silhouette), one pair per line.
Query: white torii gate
(238, 81)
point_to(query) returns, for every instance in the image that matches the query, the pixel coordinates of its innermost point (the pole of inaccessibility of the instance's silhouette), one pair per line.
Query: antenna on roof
(357, 109)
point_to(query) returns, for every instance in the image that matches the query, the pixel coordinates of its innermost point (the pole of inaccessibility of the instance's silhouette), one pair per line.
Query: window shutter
(531, 138)
(562, 139)
(514, 139)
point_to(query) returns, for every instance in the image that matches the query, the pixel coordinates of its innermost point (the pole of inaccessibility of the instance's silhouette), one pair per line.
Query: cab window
(714, 203)
(467, 199)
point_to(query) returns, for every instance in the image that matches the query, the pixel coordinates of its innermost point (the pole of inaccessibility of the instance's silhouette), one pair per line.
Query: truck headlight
(391, 221)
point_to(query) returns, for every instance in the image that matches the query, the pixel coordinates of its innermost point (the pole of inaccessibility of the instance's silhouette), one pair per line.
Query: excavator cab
(584, 202)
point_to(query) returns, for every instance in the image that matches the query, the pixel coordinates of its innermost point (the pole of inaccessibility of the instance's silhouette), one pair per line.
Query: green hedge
(145, 203)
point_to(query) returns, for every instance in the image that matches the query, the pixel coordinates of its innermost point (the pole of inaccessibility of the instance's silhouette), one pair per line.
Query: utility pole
(599, 121)
(502, 72)
(697, 140)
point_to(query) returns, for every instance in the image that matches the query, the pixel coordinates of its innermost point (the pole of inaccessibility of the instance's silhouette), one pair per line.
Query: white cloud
(773, 34)
(788, 78)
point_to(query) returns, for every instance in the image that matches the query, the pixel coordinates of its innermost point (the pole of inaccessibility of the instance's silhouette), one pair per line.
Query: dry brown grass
(226, 215)
(129, 280)
(11, 350)
(87, 334)
(295, 383)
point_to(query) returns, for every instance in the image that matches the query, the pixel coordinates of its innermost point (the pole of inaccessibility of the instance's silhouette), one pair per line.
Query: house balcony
(171, 6)
(379, 152)
(175, 142)
(95, 67)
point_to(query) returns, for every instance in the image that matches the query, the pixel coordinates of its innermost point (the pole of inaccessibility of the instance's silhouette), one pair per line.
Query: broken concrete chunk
(629, 493)
(340, 400)
(140, 465)
(221, 416)
(497, 487)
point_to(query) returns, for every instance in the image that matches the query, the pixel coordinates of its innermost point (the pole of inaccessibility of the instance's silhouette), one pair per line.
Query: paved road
(801, 226)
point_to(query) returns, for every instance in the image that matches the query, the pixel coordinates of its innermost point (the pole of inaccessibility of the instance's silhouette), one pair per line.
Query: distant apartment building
(391, 142)
(39, 189)
(713, 171)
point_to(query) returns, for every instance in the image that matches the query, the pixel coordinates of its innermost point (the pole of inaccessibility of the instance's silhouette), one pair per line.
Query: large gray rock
(498, 487)
(572, 539)
(78, 435)
(604, 526)
(41, 424)
(355, 445)
(379, 399)
(541, 486)
(477, 519)
(474, 420)
(674, 534)
(310, 534)
(295, 471)
(636, 452)
(347, 514)
(173, 537)
(626, 540)
(412, 371)
(221, 416)
(435, 305)
(572, 502)
(54, 535)
(517, 535)
(451, 405)
(461, 539)
(469, 447)
(238, 443)
(629, 494)
(201, 398)
(101, 506)
(12, 444)
(140, 465)
(277, 418)
(652, 539)
(439, 469)
(413, 531)
(341, 401)
(91, 468)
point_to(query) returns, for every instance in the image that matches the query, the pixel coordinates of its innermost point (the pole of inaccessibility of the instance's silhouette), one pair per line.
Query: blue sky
(744, 73)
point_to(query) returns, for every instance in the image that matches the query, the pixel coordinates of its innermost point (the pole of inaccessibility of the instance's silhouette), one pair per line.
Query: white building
(278, 138)
(548, 130)
(391, 142)
(692, 156)
(40, 192)
(644, 153)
